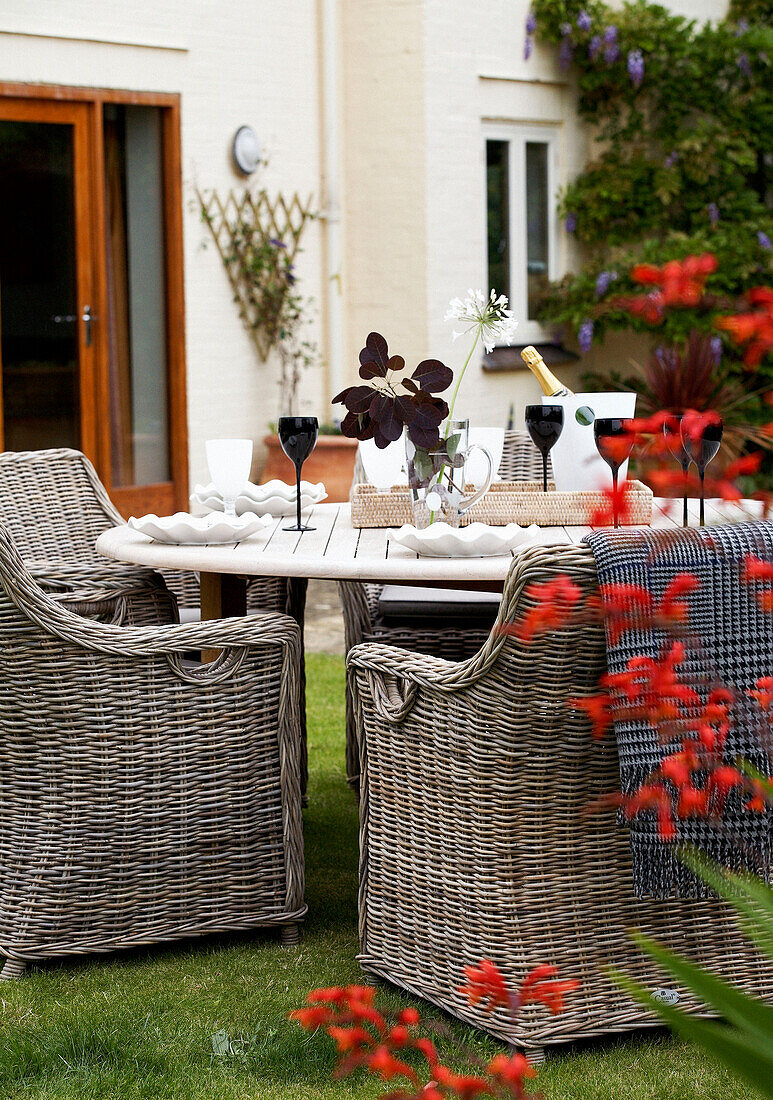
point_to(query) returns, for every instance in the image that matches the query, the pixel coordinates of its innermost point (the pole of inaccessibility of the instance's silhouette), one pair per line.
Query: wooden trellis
(243, 225)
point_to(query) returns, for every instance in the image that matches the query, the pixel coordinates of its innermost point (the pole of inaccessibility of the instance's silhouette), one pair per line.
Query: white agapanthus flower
(489, 318)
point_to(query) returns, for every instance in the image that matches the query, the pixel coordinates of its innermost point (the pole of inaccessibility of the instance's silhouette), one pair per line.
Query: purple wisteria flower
(531, 23)
(570, 222)
(584, 21)
(713, 211)
(565, 53)
(565, 28)
(715, 343)
(527, 48)
(741, 27)
(743, 65)
(671, 159)
(636, 67)
(603, 282)
(611, 48)
(585, 336)
(594, 47)
(763, 240)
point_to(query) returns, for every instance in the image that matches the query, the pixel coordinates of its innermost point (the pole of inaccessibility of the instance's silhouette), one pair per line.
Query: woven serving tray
(521, 502)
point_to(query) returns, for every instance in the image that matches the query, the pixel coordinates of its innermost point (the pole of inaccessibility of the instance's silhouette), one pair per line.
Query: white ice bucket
(577, 463)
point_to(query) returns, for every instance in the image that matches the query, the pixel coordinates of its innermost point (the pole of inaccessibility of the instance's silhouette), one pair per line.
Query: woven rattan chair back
(476, 839)
(521, 461)
(54, 506)
(143, 799)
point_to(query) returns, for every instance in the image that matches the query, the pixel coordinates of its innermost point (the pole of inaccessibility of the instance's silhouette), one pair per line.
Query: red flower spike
(465, 1087)
(350, 1038)
(512, 1071)
(409, 1016)
(486, 986)
(541, 986)
(764, 692)
(616, 501)
(384, 1063)
(556, 601)
(312, 1018)
(598, 709)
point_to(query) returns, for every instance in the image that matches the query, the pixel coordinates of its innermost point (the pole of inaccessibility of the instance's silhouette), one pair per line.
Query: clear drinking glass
(437, 479)
(229, 462)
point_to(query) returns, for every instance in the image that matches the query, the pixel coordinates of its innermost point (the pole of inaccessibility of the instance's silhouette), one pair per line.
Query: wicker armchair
(474, 839)
(363, 621)
(54, 507)
(145, 799)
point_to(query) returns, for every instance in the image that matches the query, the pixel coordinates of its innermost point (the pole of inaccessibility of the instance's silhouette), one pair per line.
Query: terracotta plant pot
(331, 461)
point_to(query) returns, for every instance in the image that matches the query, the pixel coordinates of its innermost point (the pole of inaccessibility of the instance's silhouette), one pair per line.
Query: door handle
(87, 319)
(64, 318)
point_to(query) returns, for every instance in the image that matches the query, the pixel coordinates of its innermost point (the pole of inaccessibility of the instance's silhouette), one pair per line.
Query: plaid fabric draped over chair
(729, 642)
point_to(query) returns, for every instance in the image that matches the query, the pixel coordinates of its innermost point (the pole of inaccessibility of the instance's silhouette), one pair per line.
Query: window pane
(136, 295)
(498, 217)
(536, 221)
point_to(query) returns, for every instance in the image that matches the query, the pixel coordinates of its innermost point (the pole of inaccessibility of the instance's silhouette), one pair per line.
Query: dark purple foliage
(380, 412)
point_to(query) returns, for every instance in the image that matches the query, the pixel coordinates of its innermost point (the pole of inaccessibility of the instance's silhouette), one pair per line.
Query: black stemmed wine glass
(545, 423)
(298, 436)
(672, 429)
(701, 437)
(614, 440)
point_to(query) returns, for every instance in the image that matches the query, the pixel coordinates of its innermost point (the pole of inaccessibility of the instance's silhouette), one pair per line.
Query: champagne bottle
(551, 386)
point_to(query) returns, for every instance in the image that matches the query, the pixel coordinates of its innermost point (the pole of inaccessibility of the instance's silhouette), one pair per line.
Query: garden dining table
(335, 550)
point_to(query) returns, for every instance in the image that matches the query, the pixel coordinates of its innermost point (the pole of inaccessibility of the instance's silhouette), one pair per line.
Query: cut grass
(140, 1025)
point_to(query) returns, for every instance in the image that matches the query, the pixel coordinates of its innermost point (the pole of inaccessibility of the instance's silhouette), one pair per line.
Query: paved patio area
(324, 622)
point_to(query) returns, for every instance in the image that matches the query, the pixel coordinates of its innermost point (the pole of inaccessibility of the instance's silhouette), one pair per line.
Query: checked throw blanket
(729, 642)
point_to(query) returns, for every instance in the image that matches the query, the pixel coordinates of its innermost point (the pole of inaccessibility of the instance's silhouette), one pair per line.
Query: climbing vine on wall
(683, 162)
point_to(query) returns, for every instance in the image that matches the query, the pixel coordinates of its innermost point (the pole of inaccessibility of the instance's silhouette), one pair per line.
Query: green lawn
(141, 1025)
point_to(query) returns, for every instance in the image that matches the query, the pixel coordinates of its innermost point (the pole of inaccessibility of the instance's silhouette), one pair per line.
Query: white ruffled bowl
(275, 498)
(478, 540)
(183, 529)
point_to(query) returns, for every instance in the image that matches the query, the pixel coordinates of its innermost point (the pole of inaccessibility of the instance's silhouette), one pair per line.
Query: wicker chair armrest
(402, 664)
(76, 584)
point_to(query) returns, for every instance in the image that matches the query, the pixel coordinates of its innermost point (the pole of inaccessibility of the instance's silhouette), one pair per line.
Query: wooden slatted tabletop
(336, 550)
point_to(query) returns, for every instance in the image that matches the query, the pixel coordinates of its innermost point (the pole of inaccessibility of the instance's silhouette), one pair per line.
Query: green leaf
(221, 1044)
(739, 1052)
(751, 898)
(747, 1013)
(452, 444)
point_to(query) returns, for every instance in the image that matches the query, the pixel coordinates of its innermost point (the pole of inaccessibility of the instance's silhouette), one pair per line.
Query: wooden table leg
(223, 595)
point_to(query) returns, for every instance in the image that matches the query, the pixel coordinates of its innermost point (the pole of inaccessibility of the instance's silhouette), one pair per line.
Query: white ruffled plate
(275, 498)
(183, 529)
(479, 540)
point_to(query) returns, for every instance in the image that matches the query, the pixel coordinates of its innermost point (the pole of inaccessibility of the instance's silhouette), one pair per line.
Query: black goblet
(614, 440)
(675, 443)
(545, 423)
(298, 436)
(702, 436)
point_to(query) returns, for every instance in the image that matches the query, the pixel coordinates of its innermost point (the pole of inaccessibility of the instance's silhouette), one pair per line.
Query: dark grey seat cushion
(406, 605)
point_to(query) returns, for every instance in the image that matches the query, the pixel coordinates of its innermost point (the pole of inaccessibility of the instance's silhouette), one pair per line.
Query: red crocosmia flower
(486, 986)
(427, 1048)
(755, 569)
(555, 600)
(653, 796)
(513, 1071)
(616, 501)
(409, 1016)
(721, 782)
(541, 986)
(384, 1063)
(754, 328)
(338, 995)
(350, 1038)
(598, 709)
(677, 768)
(743, 466)
(679, 283)
(693, 802)
(312, 1018)
(764, 692)
(399, 1035)
(465, 1087)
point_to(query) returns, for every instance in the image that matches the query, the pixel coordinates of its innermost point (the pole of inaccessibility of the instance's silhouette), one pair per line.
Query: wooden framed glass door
(91, 294)
(46, 278)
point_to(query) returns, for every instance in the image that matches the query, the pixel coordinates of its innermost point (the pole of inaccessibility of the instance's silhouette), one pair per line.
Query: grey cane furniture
(144, 799)
(475, 836)
(436, 629)
(54, 506)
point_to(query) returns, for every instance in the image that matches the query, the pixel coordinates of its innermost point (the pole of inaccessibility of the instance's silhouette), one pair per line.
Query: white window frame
(517, 134)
